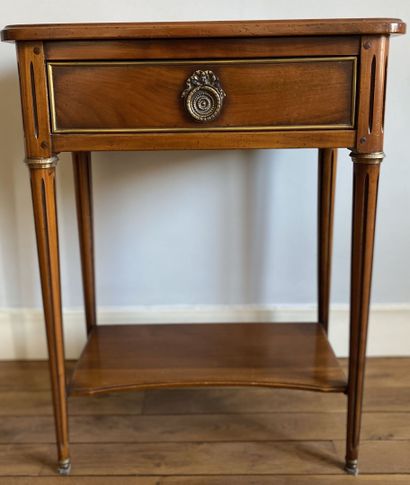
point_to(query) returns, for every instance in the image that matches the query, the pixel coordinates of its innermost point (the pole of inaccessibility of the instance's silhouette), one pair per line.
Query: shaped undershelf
(129, 357)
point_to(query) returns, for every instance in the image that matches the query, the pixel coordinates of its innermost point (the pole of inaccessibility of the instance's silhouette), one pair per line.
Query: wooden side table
(206, 85)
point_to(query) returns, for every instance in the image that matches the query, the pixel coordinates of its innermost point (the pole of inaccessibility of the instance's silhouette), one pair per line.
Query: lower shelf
(126, 357)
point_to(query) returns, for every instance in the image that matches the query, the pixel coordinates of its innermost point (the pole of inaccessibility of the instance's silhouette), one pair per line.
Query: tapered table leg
(42, 173)
(327, 165)
(83, 191)
(365, 187)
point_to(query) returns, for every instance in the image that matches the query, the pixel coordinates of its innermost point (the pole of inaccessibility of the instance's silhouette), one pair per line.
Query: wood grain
(34, 99)
(372, 88)
(120, 357)
(43, 189)
(192, 401)
(27, 375)
(327, 167)
(381, 373)
(279, 426)
(205, 141)
(175, 441)
(139, 96)
(169, 30)
(199, 401)
(212, 480)
(365, 190)
(311, 104)
(232, 48)
(245, 458)
(84, 205)
(38, 403)
(180, 458)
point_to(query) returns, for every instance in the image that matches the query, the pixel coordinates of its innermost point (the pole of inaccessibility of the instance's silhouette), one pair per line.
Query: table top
(163, 30)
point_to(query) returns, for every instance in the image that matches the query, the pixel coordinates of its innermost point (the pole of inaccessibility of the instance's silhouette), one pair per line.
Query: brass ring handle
(203, 96)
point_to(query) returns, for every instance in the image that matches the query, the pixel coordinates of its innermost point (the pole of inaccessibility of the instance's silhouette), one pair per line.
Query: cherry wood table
(205, 85)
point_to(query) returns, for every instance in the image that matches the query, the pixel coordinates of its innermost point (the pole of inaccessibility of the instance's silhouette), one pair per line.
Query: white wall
(202, 228)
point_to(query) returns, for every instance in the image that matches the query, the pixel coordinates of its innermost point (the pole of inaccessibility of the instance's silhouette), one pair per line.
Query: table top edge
(203, 29)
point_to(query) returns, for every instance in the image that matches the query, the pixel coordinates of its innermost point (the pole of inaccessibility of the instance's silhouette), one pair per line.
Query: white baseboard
(22, 334)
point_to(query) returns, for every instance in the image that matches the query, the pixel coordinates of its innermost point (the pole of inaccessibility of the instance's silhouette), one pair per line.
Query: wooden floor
(206, 436)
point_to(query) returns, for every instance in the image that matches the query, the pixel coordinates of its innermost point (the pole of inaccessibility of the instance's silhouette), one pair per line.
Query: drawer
(150, 96)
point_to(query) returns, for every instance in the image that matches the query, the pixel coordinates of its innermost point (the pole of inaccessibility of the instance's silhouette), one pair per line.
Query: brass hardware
(203, 96)
(64, 467)
(42, 162)
(56, 129)
(351, 467)
(367, 158)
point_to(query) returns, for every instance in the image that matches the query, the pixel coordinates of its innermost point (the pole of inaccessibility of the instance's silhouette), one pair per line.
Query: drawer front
(267, 94)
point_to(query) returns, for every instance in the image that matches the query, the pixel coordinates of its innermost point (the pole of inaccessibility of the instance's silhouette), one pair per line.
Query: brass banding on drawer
(145, 96)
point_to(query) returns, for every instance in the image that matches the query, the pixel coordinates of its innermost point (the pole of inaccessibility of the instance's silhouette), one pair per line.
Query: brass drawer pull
(203, 96)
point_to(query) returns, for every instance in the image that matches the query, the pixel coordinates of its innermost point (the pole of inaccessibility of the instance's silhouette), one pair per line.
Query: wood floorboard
(382, 456)
(203, 401)
(258, 400)
(385, 372)
(205, 436)
(177, 458)
(181, 459)
(213, 480)
(38, 403)
(29, 375)
(33, 375)
(199, 428)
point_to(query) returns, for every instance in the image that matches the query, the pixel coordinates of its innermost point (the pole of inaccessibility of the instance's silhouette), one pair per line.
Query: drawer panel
(268, 94)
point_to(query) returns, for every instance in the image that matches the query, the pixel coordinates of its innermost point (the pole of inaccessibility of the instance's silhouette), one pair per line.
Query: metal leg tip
(351, 467)
(64, 467)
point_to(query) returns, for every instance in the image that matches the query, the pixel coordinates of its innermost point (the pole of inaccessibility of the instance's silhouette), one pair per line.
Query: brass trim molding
(42, 162)
(367, 158)
(56, 129)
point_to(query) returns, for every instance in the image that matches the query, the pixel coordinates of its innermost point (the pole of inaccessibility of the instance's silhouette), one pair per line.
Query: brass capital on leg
(48, 162)
(373, 158)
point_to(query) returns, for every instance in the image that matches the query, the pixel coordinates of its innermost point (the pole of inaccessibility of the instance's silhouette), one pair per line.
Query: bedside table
(205, 85)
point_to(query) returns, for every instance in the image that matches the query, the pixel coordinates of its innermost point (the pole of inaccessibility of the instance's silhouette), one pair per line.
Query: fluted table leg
(42, 173)
(84, 203)
(365, 187)
(327, 165)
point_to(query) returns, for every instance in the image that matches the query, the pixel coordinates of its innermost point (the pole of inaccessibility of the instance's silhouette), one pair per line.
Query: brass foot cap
(64, 467)
(351, 467)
